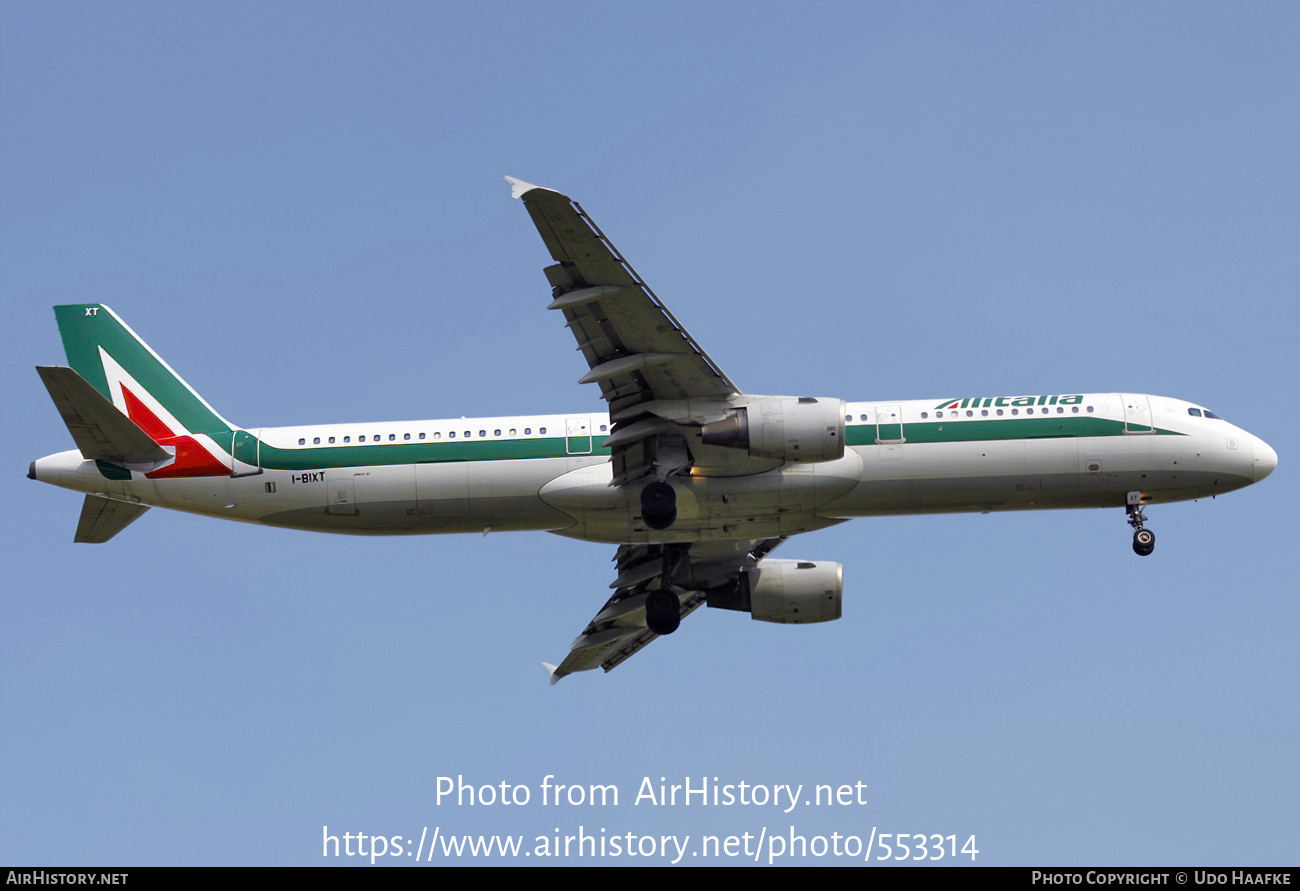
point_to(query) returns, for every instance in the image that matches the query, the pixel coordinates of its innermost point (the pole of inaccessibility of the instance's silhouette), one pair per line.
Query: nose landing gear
(1144, 540)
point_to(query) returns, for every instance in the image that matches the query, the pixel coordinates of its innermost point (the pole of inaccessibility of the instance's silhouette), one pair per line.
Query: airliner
(695, 481)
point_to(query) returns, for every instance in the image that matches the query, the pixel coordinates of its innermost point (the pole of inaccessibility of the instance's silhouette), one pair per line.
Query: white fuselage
(551, 473)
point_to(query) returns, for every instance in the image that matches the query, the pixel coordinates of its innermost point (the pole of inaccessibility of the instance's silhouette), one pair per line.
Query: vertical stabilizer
(121, 366)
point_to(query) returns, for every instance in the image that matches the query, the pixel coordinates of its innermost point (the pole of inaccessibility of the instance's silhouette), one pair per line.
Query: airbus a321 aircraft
(695, 481)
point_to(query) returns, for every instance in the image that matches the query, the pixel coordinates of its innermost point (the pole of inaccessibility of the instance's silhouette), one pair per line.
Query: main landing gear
(1144, 540)
(663, 611)
(663, 608)
(658, 505)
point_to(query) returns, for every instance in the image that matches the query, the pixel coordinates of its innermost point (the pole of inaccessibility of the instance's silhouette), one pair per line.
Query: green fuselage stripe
(317, 457)
(990, 429)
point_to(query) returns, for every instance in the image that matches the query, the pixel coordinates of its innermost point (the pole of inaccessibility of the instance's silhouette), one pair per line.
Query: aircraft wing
(619, 631)
(636, 351)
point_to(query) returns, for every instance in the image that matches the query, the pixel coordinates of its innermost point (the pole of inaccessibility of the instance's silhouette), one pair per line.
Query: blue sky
(300, 208)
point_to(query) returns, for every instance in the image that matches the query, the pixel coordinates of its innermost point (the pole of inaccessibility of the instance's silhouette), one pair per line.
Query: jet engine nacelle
(787, 428)
(788, 592)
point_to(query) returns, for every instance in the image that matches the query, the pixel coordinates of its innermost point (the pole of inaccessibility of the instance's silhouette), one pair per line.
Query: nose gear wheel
(1144, 540)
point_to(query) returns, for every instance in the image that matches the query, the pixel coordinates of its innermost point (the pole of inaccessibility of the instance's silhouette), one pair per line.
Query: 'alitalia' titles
(1009, 401)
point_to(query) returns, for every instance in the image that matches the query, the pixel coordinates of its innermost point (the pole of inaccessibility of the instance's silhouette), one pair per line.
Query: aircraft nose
(1265, 459)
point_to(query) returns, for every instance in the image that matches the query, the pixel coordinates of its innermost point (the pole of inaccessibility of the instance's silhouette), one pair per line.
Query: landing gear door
(246, 453)
(1137, 413)
(889, 423)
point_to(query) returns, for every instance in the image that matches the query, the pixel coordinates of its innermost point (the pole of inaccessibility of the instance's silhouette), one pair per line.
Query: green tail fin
(117, 363)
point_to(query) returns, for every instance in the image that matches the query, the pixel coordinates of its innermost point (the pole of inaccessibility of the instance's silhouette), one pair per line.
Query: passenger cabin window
(542, 431)
(302, 440)
(315, 440)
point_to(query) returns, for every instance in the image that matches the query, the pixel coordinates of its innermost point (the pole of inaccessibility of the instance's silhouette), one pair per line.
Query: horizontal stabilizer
(102, 518)
(101, 432)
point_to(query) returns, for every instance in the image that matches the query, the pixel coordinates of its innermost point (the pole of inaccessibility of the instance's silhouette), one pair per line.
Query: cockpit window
(1194, 412)
(1210, 414)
